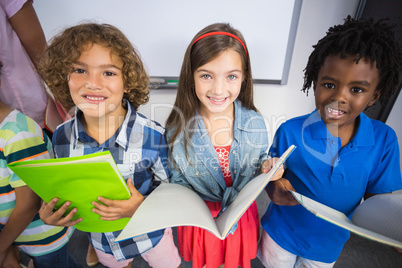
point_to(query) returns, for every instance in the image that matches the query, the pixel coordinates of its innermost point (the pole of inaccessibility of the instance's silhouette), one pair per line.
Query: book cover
(80, 180)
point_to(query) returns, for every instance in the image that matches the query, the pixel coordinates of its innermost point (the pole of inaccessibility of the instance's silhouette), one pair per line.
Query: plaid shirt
(139, 150)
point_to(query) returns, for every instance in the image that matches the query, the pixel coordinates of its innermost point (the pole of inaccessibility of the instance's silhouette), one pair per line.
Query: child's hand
(12, 258)
(278, 192)
(51, 217)
(117, 209)
(268, 164)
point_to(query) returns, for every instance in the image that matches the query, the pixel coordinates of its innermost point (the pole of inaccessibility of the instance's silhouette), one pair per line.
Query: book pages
(340, 219)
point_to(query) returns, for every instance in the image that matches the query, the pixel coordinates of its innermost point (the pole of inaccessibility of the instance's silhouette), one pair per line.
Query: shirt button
(215, 168)
(234, 152)
(333, 142)
(339, 159)
(201, 149)
(235, 171)
(197, 173)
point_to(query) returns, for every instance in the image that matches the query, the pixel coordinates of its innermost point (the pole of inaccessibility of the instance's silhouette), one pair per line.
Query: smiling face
(343, 90)
(96, 84)
(218, 83)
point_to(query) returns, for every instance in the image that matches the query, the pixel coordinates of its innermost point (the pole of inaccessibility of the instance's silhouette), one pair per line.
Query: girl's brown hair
(56, 64)
(198, 54)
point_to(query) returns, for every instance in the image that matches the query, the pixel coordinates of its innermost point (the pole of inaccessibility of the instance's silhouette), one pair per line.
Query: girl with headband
(217, 142)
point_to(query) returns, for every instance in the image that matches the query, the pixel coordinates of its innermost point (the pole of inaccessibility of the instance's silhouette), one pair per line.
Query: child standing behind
(342, 155)
(96, 68)
(20, 226)
(217, 142)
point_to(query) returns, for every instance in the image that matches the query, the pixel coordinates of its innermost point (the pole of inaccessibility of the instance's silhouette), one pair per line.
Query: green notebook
(79, 180)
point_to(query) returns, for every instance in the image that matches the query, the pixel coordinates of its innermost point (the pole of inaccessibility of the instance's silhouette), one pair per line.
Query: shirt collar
(122, 135)
(364, 135)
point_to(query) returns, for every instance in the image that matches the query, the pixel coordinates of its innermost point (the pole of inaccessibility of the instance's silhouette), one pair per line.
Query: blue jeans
(60, 258)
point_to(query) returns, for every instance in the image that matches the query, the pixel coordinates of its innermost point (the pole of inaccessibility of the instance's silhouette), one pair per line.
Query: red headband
(221, 33)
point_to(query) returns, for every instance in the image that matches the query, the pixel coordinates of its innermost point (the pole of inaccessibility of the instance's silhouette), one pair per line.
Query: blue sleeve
(388, 175)
(279, 144)
(176, 175)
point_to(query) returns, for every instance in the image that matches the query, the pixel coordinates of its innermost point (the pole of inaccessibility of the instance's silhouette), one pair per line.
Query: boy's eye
(206, 76)
(232, 77)
(79, 71)
(109, 73)
(329, 85)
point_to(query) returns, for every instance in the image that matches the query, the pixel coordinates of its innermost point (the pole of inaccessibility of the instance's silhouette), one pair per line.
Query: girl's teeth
(95, 98)
(217, 99)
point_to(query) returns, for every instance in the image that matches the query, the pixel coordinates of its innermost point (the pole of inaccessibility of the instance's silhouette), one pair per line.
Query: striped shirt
(22, 139)
(139, 150)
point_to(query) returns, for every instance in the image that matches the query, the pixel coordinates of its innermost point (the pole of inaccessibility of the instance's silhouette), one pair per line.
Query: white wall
(395, 121)
(278, 103)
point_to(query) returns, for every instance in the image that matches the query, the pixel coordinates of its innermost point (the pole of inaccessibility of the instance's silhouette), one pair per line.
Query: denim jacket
(201, 171)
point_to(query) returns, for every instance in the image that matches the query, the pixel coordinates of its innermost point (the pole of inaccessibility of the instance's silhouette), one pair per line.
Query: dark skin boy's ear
(376, 95)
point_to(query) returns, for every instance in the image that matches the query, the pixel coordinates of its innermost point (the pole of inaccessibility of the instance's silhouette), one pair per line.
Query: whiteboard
(161, 30)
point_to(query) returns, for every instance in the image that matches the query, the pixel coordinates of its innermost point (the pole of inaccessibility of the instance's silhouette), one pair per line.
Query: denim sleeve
(176, 175)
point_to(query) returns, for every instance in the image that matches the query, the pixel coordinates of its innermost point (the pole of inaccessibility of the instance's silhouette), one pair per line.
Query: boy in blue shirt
(342, 155)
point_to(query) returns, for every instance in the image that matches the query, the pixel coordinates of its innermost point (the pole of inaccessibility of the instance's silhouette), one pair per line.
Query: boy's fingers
(55, 217)
(47, 208)
(66, 221)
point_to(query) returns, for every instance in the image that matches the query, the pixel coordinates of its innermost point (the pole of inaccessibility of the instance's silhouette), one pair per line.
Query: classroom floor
(357, 253)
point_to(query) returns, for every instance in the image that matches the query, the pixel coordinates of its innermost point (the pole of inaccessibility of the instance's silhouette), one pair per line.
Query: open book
(172, 205)
(378, 218)
(80, 180)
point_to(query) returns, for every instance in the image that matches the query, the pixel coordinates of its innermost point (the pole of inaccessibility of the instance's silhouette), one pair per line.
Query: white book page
(242, 202)
(84, 159)
(382, 214)
(172, 205)
(169, 205)
(247, 195)
(341, 220)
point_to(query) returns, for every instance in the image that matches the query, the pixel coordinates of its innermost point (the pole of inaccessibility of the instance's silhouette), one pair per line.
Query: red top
(223, 156)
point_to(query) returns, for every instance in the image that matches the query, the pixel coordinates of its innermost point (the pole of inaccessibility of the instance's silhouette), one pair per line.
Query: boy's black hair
(374, 41)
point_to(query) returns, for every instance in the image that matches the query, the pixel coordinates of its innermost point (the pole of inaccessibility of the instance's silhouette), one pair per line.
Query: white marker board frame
(161, 30)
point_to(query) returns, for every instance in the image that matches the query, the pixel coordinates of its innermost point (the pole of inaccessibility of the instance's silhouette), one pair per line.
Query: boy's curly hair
(56, 64)
(364, 38)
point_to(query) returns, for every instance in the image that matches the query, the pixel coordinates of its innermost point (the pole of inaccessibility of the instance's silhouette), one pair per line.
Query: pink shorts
(164, 254)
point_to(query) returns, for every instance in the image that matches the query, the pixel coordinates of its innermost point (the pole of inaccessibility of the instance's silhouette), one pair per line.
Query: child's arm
(268, 164)
(116, 209)
(278, 192)
(29, 30)
(27, 205)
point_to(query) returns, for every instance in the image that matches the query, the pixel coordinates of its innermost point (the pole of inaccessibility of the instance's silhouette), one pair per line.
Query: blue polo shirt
(338, 177)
